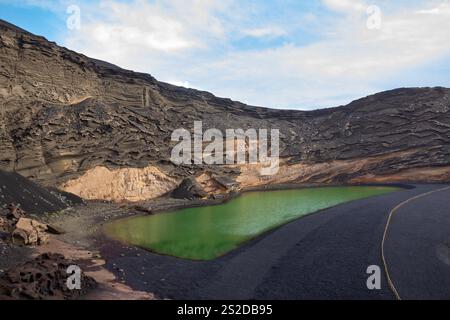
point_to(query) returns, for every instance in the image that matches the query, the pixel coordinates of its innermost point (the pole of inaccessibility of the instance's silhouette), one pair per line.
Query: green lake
(208, 232)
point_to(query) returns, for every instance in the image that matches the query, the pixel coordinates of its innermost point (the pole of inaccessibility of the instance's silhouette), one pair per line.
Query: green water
(208, 232)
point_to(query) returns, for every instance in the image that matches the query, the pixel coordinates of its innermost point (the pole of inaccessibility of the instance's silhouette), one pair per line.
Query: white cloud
(180, 83)
(346, 5)
(192, 40)
(443, 8)
(142, 25)
(264, 32)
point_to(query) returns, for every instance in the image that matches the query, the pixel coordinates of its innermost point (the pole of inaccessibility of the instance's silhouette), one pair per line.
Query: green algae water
(208, 232)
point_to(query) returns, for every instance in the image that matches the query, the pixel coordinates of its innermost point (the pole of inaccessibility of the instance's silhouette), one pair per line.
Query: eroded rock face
(44, 278)
(67, 118)
(9, 217)
(131, 184)
(30, 232)
(18, 229)
(4, 225)
(189, 189)
(15, 212)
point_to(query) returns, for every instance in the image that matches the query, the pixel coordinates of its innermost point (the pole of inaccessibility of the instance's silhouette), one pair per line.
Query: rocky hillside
(100, 131)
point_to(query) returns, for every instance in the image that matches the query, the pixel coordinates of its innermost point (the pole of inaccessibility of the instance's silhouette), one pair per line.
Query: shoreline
(238, 273)
(84, 229)
(166, 204)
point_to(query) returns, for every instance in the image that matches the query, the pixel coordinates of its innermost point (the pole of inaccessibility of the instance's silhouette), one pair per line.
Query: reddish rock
(15, 212)
(44, 278)
(30, 232)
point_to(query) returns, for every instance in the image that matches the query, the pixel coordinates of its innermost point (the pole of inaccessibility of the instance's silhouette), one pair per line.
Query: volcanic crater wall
(65, 116)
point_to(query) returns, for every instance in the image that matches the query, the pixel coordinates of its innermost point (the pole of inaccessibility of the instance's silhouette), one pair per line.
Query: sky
(291, 54)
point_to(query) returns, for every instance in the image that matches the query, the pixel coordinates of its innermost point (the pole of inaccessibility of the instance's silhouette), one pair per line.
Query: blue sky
(277, 53)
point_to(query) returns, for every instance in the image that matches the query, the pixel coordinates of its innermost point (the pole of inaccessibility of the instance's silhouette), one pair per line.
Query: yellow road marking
(393, 211)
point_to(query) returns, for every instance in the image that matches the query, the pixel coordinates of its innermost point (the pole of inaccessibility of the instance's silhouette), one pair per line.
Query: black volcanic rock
(44, 278)
(63, 114)
(189, 189)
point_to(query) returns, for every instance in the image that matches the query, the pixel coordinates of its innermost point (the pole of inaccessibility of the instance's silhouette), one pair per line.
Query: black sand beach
(321, 256)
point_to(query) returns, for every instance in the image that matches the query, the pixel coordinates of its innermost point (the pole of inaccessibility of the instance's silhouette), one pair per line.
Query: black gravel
(33, 198)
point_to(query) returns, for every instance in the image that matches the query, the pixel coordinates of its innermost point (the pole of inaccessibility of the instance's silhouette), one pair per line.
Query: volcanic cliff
(102, 132)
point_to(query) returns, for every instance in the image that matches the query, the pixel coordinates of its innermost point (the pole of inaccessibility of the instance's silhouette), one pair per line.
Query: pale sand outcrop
(126, 184)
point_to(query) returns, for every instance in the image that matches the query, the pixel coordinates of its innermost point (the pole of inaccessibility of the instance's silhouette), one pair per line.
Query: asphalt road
(320, 256)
